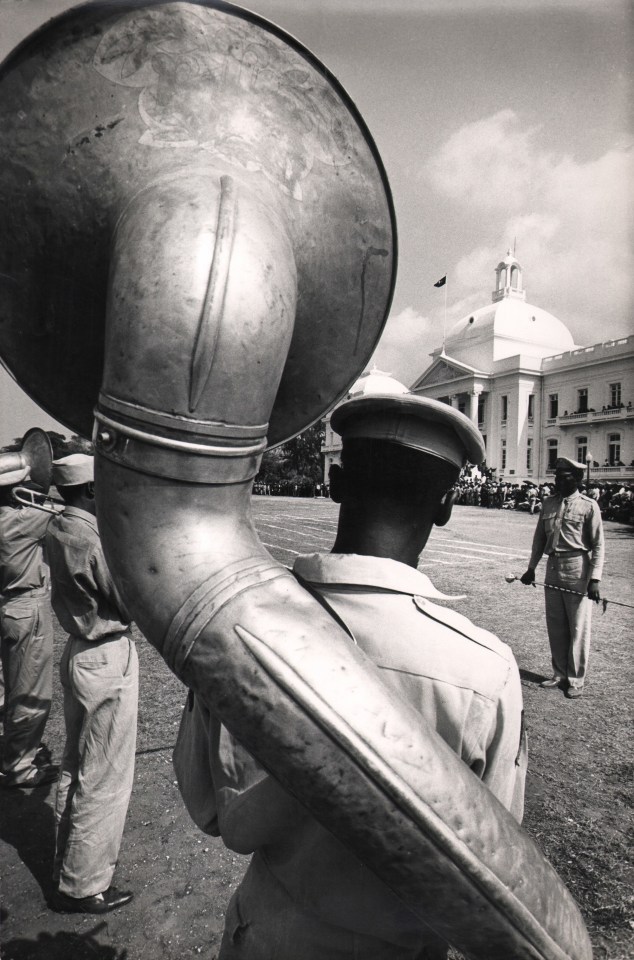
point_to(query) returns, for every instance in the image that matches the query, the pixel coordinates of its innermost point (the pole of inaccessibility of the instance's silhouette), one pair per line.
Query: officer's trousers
(26, 632)
(100, 681)
(568, 617)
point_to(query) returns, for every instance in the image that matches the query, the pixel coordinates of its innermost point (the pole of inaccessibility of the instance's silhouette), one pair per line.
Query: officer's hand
(593, 591)
(528, 577)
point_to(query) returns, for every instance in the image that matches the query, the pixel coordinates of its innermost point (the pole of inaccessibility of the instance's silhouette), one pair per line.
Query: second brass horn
(206, 217)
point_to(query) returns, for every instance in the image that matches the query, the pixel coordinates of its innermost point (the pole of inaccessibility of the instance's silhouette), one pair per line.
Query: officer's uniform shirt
(568, 525)
(22, 566)
(84, 597)
(462, 679)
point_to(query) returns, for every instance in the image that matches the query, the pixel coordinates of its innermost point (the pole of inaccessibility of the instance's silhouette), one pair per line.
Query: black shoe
(43, 757)
(555, 683)
(38, 777)
(104, 902)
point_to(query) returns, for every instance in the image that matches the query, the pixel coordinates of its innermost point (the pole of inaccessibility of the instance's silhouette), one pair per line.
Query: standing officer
(304, 894)
(99, 672)
(26, 635)
(570, 532)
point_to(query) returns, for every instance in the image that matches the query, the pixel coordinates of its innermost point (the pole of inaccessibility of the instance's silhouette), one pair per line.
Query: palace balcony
(591, 416)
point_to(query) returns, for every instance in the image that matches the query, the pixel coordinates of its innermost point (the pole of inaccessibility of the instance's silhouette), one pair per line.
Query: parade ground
(579, 794)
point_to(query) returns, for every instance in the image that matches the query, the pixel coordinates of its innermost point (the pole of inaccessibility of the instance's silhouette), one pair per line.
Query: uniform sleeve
(539, 543)
(105, 584)
(226, 791)
(35, 522)
(507, 752)
(594, 532)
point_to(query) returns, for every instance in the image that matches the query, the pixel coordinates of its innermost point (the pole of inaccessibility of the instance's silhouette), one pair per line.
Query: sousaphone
(198, 251)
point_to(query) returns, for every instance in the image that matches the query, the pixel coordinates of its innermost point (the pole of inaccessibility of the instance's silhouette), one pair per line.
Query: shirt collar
(89, 518)
(571, 496)
(353, 569)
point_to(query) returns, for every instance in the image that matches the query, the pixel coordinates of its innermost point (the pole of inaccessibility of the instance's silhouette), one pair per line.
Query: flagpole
(444, 321)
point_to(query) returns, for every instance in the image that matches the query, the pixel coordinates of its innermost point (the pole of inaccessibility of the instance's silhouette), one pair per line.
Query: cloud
(409, 327)
(490, 163)
(569, 219)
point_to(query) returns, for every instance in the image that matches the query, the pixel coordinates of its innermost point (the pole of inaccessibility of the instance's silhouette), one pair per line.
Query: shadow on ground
(528, 676)
(27, 824)
(63, 945)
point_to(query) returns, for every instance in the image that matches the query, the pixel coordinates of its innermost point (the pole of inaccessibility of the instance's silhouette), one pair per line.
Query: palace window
(480, 410)
(529, 454)
(462, 406)
(614, 449)
(582, 400)
(553, 405)
(615, 394)
(552, 447)
(504, 401)
(503, 464)
(531, 407)
(582, 449)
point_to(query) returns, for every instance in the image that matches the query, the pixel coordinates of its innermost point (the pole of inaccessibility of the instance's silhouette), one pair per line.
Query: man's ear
(337, 481)
(443, 513)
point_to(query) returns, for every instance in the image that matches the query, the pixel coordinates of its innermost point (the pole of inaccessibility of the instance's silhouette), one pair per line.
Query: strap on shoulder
(307, 585)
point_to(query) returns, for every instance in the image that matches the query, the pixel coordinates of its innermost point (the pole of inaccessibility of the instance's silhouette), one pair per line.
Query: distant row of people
(615, 500)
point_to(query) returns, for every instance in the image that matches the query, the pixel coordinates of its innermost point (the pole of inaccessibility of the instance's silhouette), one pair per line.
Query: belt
(23, 592)
(568, 553)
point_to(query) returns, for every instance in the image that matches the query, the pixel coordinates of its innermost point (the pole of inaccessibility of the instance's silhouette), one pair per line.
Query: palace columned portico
(516, 372)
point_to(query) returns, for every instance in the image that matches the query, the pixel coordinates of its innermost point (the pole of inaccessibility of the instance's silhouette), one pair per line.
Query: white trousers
(100, 682)
(26, 632)
(568, 617)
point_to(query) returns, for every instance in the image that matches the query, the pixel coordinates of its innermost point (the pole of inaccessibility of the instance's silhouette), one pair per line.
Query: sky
(501, 123)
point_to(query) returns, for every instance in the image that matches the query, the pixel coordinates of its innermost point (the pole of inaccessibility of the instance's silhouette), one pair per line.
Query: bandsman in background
(570, 533)
(26, 637)
(99, 673)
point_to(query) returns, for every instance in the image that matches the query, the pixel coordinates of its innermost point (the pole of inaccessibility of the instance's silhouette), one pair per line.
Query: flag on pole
(441, 282)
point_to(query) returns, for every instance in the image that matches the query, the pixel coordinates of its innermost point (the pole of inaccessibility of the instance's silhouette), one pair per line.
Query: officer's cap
(412, 421)
(565, 463)
(72, 470)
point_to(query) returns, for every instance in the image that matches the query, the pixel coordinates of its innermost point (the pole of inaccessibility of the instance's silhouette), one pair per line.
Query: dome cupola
(508, 326)
(508, 279)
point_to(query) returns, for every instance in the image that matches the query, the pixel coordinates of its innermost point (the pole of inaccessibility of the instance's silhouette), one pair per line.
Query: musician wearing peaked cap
(570, 533)
(26, 636)
(99, 673)
(304, 894)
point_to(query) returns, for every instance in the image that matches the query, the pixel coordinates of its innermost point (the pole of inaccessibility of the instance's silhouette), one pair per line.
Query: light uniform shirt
(22, 566)
(461, 678)
(567, 524)
(83, 595)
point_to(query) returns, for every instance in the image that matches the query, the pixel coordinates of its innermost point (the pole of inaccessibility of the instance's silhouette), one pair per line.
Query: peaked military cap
(412, 421)
(565, 463)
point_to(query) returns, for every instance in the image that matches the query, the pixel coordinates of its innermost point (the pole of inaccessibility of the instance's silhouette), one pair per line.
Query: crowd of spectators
(616, 500)
(297, 487)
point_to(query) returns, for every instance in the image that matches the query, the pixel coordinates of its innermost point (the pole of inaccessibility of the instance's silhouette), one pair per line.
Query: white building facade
(515, 370)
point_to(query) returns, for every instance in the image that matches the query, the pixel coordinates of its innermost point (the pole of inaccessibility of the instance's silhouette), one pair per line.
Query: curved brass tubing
(204, 173)
(234, 625)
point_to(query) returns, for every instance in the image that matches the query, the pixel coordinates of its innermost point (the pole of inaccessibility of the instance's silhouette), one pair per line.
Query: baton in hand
(510, 577)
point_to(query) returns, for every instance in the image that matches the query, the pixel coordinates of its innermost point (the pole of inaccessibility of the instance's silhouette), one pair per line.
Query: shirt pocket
(549, 521)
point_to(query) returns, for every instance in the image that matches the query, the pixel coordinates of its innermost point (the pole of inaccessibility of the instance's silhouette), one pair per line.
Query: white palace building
(514, 369)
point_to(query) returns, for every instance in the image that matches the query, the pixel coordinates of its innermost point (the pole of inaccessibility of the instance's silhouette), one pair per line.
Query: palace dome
(508, 326)
(376, 381)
